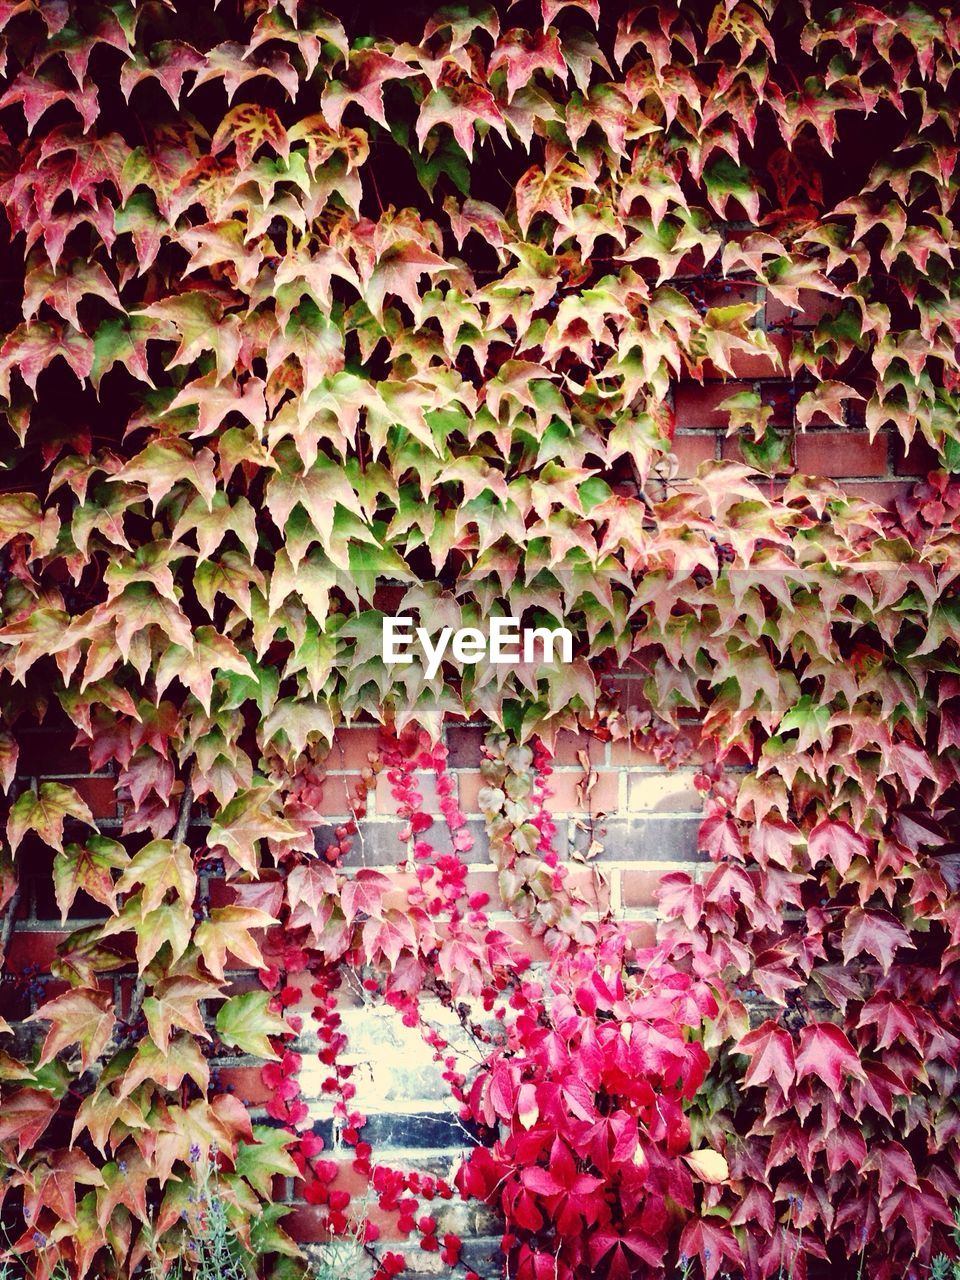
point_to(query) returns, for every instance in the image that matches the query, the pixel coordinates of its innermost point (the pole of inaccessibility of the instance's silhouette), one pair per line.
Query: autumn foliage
(315, 316)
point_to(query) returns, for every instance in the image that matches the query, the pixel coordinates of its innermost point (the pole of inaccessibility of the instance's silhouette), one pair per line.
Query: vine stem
(6, 924)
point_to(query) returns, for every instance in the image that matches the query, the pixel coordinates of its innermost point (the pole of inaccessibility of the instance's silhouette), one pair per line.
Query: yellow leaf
(709, 1166)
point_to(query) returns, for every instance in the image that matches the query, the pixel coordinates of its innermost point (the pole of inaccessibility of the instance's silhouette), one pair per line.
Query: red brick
(99, 793)
(246, 1083)
(642, 933)
(469, 784)
(695, 405)
(592, 885)
(691, 451)
(33, 947)
(306, 1224)
(563, 788)
(882, 492)
(840, 453)
(352, 748)
(813, 307)
(339, 795)
(663, 793)
(638, 888)
(915, 461)
(568, 745)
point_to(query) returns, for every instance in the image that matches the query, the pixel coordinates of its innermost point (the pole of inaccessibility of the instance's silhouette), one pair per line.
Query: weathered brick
(691, 451)
(602, 798)
(695, 404)
(813, 307)
(638, 887)
(650, 838)
(463, 744)
(840, 453)
(99, 793)
(663, 792)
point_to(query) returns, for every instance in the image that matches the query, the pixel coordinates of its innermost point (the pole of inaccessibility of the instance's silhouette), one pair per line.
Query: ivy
(305, 326)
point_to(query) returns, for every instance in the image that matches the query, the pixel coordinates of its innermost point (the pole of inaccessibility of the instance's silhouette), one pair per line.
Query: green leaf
(246, 1021)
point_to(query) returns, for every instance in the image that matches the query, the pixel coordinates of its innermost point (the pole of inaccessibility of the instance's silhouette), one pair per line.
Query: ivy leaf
(876, 932)
(87, 867)
(919, 1207)
(364, 894)
(770, 1049)
(166, 1067)
(227, 931)
(825, 1053)
(246, 1021)
(26, 1115)
(44, 812)
(838, 843)
(175, 1003)
(267, 1158)
(160, 866)
(82, 1017)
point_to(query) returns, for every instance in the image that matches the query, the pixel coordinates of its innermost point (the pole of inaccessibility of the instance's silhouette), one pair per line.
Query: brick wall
(644, 816)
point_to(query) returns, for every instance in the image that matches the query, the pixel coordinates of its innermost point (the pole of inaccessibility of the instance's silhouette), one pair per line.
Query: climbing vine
(313, 318)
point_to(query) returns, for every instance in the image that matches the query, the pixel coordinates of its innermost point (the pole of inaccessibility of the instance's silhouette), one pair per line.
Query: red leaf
(876, 932)
(364, 893)
(827, 1054)
(771, 1055)
(837, 843)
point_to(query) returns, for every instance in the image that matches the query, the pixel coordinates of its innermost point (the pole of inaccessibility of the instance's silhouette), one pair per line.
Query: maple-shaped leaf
(919, 1207)
(166, 1067)
(825, 1053)
(37, 93)
(25, 1115)
(174, 1002)
(711, 1240)
(549, 189)
(838, 843)
(31, 348)
(266, 1158)
(160, 866)
(770, 1049)
(53, 1185)
(364, 894)
(165, 464)
(363, 81)
(63, 289)
(88, 867)
(827, 398)
(44, 811)
(195, 668)
(523, 53)
(227, 931)
(461, 107)
(879, 933)
(229, 60)
(81, 1017)
(251, 816)
(247, 128)
(246, 1021)
(168, 61)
